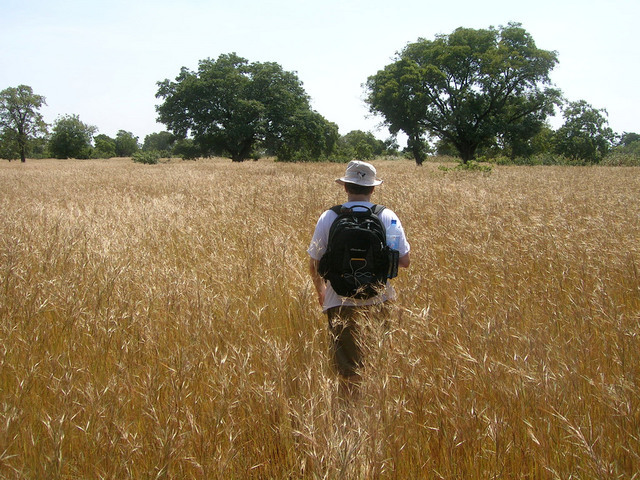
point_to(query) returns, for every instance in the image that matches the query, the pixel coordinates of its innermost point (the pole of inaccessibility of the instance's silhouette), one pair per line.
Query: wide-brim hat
(360, 173)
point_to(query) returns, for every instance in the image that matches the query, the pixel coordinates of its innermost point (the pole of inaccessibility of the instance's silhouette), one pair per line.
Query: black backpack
(358, 261)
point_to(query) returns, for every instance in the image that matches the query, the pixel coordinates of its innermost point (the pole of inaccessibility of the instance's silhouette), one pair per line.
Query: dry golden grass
(159, 322)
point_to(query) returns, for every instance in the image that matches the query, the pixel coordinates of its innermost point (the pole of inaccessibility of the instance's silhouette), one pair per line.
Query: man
(359, 183)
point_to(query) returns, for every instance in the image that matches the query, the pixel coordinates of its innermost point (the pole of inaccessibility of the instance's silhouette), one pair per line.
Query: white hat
(360, 173)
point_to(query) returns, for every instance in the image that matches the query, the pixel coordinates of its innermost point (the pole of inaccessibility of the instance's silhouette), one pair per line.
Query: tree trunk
(22, 144)
(417, 149)
(241, 152)
(467, 151)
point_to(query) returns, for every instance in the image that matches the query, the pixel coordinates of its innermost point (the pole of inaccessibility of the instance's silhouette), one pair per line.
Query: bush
(470, 166)
(149, 157)
(624, 155)
(621, 159)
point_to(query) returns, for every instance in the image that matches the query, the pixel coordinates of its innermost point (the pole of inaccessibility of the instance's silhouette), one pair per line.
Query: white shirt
(318, 247)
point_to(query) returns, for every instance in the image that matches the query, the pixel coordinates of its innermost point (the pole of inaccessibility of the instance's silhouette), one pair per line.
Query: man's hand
(318, 281)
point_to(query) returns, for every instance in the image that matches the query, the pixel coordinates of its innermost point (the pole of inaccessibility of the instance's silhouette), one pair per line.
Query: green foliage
(585, 135)
(148, 157)
(20, 121)
(470, 166)
(466, 88)
(105, 147)
(71, 138)
(546, 158)
(445, 147)
(9, 146)
(186, 149)
(126, 144)
(627, 153)
(628, 138)
(360, 145)
(235, 108)
(309, 137)
(162, 142)
(342, 149)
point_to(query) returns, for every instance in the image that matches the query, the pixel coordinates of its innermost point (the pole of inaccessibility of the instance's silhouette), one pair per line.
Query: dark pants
(346, 334)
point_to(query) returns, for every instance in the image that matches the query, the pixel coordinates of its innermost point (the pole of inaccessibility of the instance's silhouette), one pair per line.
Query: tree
(126, 144)
(20, 120)
(585, 134)
(160, 142)
(627, 138)
(466, 88)
(360, 145)
(105, 147)
(71, 138)
(306, 136)
(233, 107)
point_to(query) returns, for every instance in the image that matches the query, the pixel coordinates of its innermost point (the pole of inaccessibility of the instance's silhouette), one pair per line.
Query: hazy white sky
(101, 60)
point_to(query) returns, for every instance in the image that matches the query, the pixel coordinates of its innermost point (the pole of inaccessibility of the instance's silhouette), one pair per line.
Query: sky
(101, 60)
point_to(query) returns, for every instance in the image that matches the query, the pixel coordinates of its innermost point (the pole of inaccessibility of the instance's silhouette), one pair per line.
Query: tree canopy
(126, 144)
(236, 108)
(71, 138)
(105, 146)
(467, 88)
(160, 142)
(585, 134)
(20, 120)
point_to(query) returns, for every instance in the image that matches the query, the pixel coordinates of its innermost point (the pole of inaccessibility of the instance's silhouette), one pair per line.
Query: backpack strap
(337, 209)
(376, 209)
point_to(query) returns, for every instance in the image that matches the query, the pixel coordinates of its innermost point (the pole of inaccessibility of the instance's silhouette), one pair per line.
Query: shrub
(147, 157)
(470, 166)
(624, 155)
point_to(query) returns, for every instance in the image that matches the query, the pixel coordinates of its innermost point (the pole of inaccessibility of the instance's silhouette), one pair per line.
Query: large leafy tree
(467, 88)
(233, 107)
(20, 121)
(585, 134)
(71, 138)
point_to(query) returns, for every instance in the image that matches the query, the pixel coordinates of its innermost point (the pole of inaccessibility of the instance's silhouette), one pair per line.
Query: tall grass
(159, 322)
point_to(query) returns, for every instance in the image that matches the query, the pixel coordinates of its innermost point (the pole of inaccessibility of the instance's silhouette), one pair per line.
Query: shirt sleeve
(320, 238)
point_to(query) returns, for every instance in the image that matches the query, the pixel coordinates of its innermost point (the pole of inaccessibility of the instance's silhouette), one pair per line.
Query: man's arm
(404, 261)
(318, 281)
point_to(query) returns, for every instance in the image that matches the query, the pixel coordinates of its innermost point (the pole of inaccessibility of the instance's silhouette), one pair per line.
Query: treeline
(71, 138)
(476, 95)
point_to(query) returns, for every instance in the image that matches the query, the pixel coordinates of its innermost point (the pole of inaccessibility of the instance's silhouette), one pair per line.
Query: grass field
(159, 322)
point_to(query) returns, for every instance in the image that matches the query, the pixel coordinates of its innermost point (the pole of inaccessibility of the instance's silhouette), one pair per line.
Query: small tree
(627, 138)
(307, 136)
(105, 147)
(161, 142)
(585, 134)
(360, 145)
(20, 120)
(71, 138)
(126, 144)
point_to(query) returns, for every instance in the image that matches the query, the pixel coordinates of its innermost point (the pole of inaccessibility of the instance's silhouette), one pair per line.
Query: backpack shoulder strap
(337, 209)
(377, 209)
